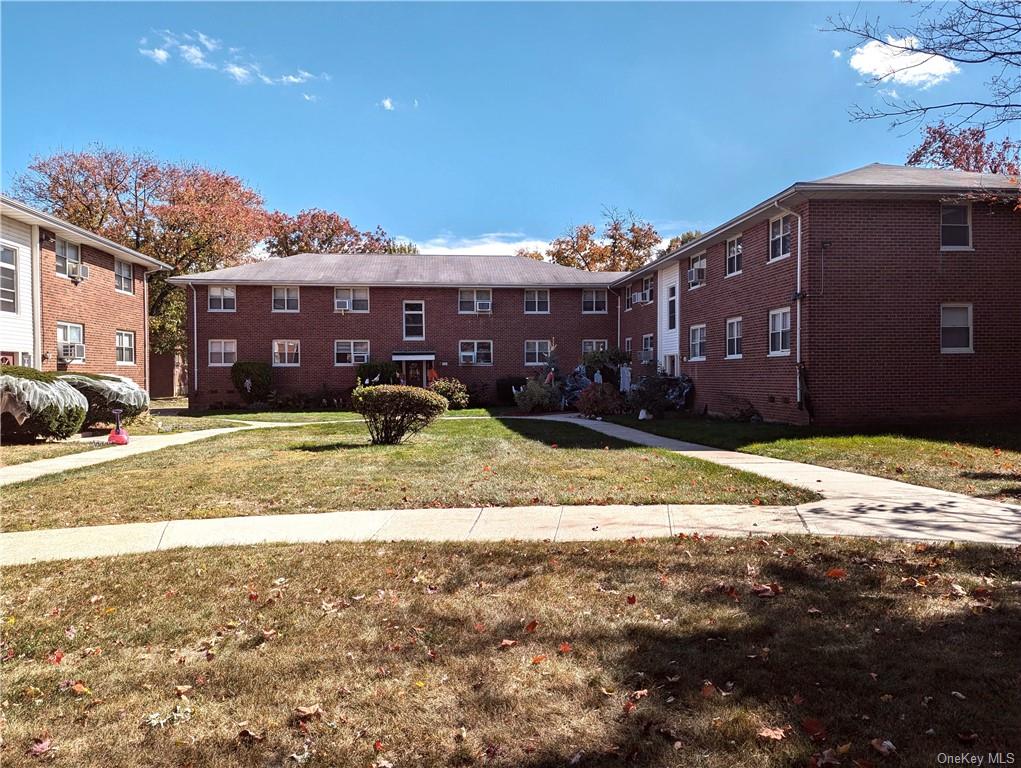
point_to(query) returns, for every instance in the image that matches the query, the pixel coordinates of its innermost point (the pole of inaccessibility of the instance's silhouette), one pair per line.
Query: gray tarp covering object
(115, 389)
(23, 397)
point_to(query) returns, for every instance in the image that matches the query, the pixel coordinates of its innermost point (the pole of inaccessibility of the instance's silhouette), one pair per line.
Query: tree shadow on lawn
(560, 435)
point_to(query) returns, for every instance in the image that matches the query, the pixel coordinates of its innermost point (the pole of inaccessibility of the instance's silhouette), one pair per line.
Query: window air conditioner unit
(343, 305)
(483, 306)
(696, 276)
(646, 356)
(77, 271)
(637, 297)
(72, 352)
(359, 357)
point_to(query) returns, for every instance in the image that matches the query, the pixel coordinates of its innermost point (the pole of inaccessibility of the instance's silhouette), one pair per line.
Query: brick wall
(316, 326)
(638, 321)
(95, 304)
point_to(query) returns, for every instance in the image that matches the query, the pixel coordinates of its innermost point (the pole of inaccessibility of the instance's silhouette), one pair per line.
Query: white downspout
(145, 325)
(193, 376)
(618, 315)
(37, 304)
(797, 305)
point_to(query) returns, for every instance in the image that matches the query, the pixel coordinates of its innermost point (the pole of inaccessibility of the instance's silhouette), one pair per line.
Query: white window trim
(650, 347)
(705, 342)
(404, 320)
(272, 299)
(273, 349)
(606, 301)
(971, 230)
(769, 241)
(727, 337)
(131, 278)
(77, 360)
(627, 344)
(17, 276)
(352, 288)
(475, 301)
(209, 353)
(209, 295)
(699, 258)
(726, 256)
(594, 342)
(475, 353)
(970, 350)
(627, 298)
(537, 342)
(80, 261)
(649, 285)
(352, 342)
(781, 353)
(549, 301)
(134, 350)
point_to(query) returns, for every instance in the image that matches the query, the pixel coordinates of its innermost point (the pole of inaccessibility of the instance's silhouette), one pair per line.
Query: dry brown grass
(399, 643)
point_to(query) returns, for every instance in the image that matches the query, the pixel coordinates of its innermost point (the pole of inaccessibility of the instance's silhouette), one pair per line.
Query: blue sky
(459, 125)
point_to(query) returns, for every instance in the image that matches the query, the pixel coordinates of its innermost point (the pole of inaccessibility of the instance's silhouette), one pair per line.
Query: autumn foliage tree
(625, 243)
(967, 149)
(682, 239)
(192, 218)
(319, 231)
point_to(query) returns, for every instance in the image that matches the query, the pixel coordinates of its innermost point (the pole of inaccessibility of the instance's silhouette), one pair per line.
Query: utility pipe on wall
(797, 303)
(193, 375)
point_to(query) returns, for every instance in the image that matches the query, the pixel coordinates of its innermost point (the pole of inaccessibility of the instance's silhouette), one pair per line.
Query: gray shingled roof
(404, 269)
(883, 176)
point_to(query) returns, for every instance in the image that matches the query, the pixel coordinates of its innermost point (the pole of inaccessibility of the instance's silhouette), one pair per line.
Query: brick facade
(638, 321)
(95, 304)
(316, 325)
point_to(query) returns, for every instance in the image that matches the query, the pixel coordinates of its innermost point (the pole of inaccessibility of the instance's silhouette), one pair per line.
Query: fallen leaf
(708, 689)
(814, 728)
(80, 689)
(565, 647)
(836, 573)
(377, 745)
(883, 747)
(308, 713)
(182, 690)
(766, 590)
(246, 736)
(958, 695)
(530, 626)
(629, 707)
(640, 694)
(505, 644)
(57, 656)
(967, 737)
(539, 659)
(40, 746)
(632, 599)
(776, 734)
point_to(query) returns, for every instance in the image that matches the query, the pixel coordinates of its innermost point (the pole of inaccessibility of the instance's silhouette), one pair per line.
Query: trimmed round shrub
(601, 400)
(252, 380)
(107, 393)
(455, 393)
(36, 404)
(394, 412)
(384, 372)
(538, 397)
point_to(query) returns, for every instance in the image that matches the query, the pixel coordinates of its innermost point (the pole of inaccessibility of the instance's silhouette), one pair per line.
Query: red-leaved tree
(318, 231)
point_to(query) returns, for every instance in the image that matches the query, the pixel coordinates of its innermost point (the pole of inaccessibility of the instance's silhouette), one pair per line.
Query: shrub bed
(394, 413)
(538, 397)
(252, 380)
(384, 372)
(455, 393)
(36, 404)
(601, 400)
(106, 394)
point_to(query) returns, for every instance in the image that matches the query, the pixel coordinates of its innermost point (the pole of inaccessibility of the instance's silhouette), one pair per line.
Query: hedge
(37, 404)
(252, 380)
(394, 413)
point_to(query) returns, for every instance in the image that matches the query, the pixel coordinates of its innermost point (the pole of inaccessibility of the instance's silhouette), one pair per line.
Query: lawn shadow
(562, 435)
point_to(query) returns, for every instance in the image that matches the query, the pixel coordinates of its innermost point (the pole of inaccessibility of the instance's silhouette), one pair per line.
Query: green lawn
(332, 415)
(633, 653)
(20, 453)
(328, 467)
(981, 459)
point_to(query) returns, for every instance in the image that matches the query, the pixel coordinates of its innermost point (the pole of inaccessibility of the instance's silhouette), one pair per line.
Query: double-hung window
(69, 258)
(955, 321)
(222, 298)
(647, 343)
(536, 301)
(471, 301)
(780, 238)
(671, 307)
(124, 344)
(696, 342)
(627, 298)
(780, 332)
(734, 252)
(123, 276)
(648, 288)
(696, 271)
(734, 334)
(286, 353)
(350, 352)
(222, 352)
(627, 345)
(8, 279)
(593, 301)
(71, 342)
(474, 352)
(285, 298)
(414, 320)
(593, 345)
(536, 352)
(350, 299)
(955, 227)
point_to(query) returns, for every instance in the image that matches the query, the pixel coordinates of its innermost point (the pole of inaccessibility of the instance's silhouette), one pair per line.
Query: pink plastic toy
(118, 435)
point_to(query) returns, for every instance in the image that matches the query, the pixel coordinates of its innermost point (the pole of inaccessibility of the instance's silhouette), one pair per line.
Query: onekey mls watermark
(976, 758)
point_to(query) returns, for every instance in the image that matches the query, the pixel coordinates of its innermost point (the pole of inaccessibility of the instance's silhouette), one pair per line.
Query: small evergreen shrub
(252, 380)
(394, 413)
(38, 404)
(387, 371)
(505, 388)
(601, 400)
(453, 390)
(539, 397)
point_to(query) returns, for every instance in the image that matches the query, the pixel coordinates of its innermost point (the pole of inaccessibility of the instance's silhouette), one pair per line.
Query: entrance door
(416, 372)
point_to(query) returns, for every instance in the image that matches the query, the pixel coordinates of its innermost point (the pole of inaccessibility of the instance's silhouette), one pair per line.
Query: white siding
(16, 329)
(667, 340)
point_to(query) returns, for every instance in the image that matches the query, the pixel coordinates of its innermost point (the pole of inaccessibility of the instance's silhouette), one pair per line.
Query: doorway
(416, 372)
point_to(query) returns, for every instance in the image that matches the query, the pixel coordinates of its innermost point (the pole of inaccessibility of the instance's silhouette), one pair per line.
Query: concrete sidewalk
(853, 504)
(553, 523)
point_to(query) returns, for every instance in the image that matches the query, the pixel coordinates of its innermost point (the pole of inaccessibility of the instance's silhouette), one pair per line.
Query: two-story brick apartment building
(883, 293)
(316, 317)
(70, 299)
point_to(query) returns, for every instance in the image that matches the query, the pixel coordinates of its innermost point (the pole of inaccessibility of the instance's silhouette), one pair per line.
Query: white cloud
(488, 244)
(387, 104)
(890, 63)
(239, 73)
(837, 54)
(209, 43)
(309, 97)
(195, 56)
(159, 55)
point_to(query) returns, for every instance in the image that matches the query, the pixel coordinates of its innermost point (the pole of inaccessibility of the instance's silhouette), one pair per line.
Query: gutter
(37, 304)
(610, 290)
(797, 303)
